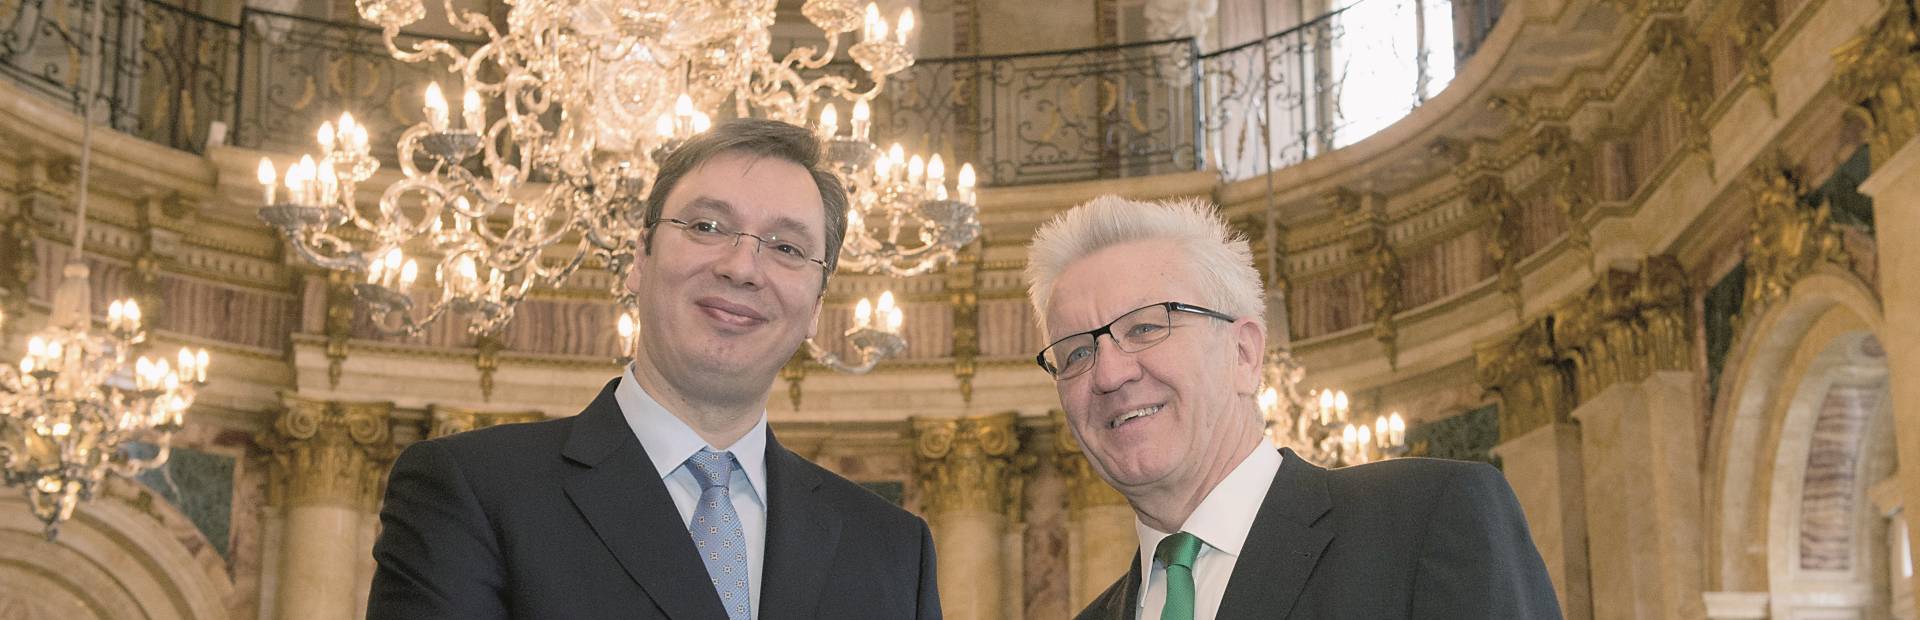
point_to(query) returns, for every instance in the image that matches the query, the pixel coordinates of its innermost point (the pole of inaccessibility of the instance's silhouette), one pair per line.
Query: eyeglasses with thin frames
(1135, 331)
(788, 254)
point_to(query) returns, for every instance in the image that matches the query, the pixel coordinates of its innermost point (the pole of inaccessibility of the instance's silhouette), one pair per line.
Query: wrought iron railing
(1103, 112)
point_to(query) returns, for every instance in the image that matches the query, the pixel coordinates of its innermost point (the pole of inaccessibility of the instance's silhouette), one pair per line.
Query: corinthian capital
(965, 464)
(331, 453)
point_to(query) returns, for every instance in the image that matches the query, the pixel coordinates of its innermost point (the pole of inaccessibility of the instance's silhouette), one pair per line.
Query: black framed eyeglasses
(1133, 332)
(707, 232)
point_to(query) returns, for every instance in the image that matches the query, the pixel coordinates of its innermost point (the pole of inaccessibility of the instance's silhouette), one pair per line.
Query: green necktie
(1177, 552)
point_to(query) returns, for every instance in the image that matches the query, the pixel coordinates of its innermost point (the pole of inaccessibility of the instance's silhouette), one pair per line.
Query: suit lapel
(802, 533)
(1284, 544)
(629, 509)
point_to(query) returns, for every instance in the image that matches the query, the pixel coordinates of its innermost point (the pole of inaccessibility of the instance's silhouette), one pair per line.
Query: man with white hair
(1155, 318)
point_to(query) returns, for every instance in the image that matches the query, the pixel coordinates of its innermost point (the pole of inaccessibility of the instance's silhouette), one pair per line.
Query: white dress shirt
(670, 442)
(1222, 521)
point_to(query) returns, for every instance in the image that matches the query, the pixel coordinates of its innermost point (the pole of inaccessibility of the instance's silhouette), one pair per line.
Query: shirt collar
(1225, 515)
(669, 442)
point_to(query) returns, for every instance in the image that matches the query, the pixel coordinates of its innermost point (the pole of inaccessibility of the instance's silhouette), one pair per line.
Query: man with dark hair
(668, 497)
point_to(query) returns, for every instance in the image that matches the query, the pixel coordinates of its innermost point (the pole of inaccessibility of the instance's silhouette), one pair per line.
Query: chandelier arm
(310, 244)
(832, 360)
(802, 56)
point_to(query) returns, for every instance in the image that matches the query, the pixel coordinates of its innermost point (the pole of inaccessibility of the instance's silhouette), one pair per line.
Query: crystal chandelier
(1318, 425)
(875, 336)
(563, 119)
(901, 221)
(79, 404)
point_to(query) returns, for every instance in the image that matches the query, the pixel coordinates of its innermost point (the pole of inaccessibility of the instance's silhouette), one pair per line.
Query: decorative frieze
(966, 464)
(1878, 73)
(325, 452)
(445, 420)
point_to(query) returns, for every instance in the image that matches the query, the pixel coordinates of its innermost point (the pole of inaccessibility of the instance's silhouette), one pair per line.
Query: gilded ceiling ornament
(1878, 73)
(1787, 238)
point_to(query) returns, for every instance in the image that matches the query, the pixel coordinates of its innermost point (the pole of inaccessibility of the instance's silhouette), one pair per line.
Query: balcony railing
(1116, 111)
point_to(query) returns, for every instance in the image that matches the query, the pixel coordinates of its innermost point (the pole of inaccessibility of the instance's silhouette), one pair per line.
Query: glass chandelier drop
(564, 117)
(1318, 425)
(80, 405)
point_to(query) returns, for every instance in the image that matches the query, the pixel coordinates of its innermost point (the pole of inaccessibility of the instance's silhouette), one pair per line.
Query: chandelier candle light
(875, 336)
(79, 404)
(1317, 425)
(902, 220)
(563, 118)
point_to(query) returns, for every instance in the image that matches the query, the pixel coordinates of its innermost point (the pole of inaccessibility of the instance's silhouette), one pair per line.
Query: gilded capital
(1084, 487)
(1628, 325)
(1878, 74)
(329, 453)
(966, 464)
(447, 420)
(1525, 371)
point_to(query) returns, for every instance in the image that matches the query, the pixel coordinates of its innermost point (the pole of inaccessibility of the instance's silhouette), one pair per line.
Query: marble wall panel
(1831, 487)
(1442, 269)
(244, 316)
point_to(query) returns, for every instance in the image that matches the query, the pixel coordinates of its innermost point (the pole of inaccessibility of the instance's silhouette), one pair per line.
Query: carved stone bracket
(1753, 27)
(447, 420)
(963, 284)
(1628, 325)
(1569, 181)
(1787, 238)
(964, 464)
(1367, 238)
(1878, 73)
(1682, 61)
(1085, 489)
(339, 326)
(331, 453)
(795, 373)
(486, 359)
(1488, 194)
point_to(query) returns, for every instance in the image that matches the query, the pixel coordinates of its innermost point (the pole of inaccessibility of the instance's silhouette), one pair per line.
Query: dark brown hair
(759, 138)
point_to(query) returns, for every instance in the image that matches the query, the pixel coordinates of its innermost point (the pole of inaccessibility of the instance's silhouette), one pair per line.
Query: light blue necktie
(716, 532)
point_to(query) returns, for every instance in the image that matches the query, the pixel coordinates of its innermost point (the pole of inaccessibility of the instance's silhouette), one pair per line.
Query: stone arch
(120, 556)
(1764, 420)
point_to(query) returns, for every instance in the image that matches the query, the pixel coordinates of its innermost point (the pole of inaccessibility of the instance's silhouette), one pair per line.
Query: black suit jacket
(568, 519)
(1406, 538)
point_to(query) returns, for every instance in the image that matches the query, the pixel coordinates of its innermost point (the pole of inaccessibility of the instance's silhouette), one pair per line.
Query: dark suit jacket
(568, 519)
(1406, 538)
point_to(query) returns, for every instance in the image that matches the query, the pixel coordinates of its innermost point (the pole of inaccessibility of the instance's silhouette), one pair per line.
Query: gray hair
(1221, 260)
(757, 137)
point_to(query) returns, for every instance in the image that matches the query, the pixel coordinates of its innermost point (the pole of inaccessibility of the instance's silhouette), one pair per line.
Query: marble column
(1101, 541)
(328, 468)
(965, 470)
(1629, 349)
(1540, 448)
(1895, 188)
